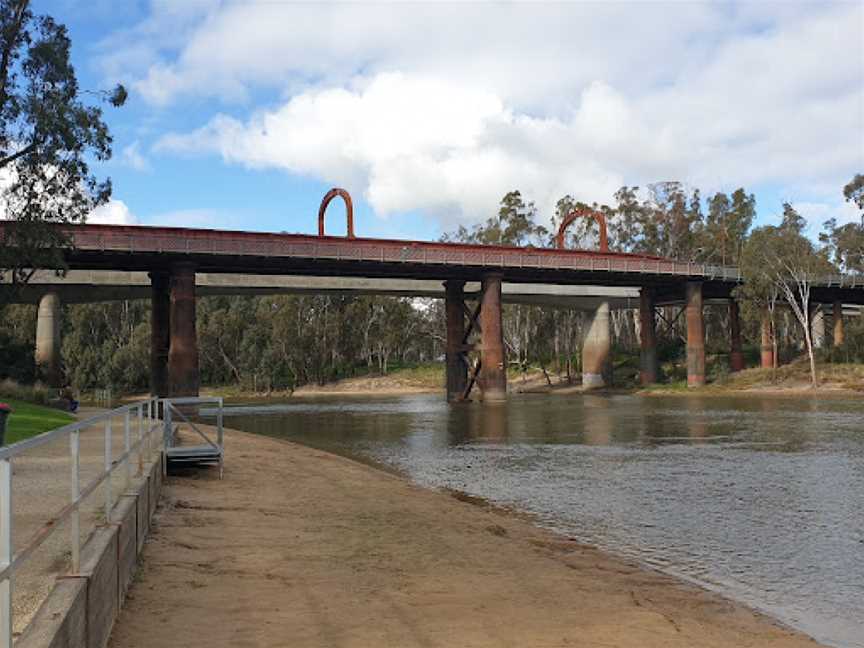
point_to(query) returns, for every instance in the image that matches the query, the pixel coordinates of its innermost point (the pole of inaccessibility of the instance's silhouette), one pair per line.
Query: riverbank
(300, 546)
(792, 379)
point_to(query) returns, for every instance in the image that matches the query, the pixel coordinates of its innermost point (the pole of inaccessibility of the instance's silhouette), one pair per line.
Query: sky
(241, 115)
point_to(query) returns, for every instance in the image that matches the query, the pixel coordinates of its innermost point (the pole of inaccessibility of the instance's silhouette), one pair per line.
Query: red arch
(349, 210)
(589, 213)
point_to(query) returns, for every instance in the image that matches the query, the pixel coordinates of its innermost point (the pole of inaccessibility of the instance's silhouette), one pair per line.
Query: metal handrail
(146, 414)
(169, 406)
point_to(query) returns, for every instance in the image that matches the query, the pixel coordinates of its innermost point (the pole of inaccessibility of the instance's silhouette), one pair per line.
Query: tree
(47, 134)
(845, 244)
(726, 226)
(854, 192)
(781, 261)
(513, 225)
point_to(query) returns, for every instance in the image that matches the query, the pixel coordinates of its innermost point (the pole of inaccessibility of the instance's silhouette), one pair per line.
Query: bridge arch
(586, 212)
(349, 210)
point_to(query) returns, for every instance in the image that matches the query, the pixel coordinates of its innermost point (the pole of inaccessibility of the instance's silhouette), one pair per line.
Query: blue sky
(242, 114)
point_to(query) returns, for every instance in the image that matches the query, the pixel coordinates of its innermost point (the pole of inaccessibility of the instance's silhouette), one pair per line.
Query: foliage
(48, 134)
(780, 261)
(845, 244)
(854, 192)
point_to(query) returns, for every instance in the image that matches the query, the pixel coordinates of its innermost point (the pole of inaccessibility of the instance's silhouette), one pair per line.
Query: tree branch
(11, 158)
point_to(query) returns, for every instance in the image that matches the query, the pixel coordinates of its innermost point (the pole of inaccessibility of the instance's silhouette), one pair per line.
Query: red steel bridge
(173, 256)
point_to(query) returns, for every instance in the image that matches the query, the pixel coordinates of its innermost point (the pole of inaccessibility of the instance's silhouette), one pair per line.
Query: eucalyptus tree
(780, 262)
(49, 129)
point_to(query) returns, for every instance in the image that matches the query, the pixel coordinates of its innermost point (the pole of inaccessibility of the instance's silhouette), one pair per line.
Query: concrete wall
(81, 609)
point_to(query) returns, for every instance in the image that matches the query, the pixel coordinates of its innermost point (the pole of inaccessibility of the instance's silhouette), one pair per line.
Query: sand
(297, 547)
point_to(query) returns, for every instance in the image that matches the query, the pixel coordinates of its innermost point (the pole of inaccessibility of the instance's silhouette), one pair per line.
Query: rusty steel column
(160, 332)
(736, 356)
(457, 370)
(493, 376)
(767, 349)
(183, 350)
(695, 335)
(596, 350)
(48, 365)
(839, 333)
(648, 336)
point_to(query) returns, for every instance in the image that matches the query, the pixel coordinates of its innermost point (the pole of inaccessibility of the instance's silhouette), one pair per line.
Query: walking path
(297, 547)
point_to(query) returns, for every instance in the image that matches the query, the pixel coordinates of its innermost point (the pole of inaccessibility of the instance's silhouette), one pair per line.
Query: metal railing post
(140, 439)
(107, 466)
(6, 552)
(166, 436)
(220, 439)
(219, 424)
(75, 492)
(127, 447)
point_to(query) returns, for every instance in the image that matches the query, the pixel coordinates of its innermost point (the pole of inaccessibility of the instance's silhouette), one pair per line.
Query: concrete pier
(736, 355)
(183, 351)
(695, 335)
(457, 370)
(596, 350)
(493, 375)
(817, 326)
(160, 332)
(647, 337)
(48, 361)
(839, 333)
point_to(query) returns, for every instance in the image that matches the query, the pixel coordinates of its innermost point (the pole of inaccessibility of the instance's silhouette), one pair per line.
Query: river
(761, 499)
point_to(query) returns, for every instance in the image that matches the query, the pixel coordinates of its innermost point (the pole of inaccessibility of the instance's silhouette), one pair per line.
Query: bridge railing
(92, 453)
(153, 240)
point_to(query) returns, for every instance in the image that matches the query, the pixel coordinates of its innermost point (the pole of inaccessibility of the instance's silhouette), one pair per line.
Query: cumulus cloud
(114, 212)
(445, 107)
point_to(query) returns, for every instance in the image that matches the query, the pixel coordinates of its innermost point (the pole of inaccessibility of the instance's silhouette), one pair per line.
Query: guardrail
(212, 452)
(140, 422)
(137, 239)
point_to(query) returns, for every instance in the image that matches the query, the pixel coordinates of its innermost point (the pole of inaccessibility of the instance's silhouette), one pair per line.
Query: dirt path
(296, 547)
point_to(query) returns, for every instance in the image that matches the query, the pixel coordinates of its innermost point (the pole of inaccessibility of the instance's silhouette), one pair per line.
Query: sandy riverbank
(303, 548)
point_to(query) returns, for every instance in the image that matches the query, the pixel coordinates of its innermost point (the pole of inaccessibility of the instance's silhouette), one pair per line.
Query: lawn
(28, 420)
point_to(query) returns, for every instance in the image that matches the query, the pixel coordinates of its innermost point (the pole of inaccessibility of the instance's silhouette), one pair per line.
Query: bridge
(179, 264)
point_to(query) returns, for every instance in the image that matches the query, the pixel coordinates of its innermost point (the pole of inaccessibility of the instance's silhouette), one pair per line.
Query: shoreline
(330, 551)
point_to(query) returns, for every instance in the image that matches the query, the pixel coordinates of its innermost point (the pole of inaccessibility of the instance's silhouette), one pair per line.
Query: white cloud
(816, 213)
(114, 212)
(445, 107)
(132, 157)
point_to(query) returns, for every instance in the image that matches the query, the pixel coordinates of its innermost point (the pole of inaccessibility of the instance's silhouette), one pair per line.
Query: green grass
(28, 420)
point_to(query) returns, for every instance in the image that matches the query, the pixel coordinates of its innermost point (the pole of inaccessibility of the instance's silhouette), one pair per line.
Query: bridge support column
(648, 337)
(695, 335)
(183, 350)
(493, 375)
(736, 356)
(160, 333)
(457, 370)
(767, 349)
(817, 326)
(596, 350)
(48, 365)
(839, 333)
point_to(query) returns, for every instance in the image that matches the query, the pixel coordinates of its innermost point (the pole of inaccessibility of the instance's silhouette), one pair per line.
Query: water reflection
(759, 498)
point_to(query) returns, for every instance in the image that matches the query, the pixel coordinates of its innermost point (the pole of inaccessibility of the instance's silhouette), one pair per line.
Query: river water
(761, 499)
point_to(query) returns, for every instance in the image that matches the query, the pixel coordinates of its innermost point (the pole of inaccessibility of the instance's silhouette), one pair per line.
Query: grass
(28, 420)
